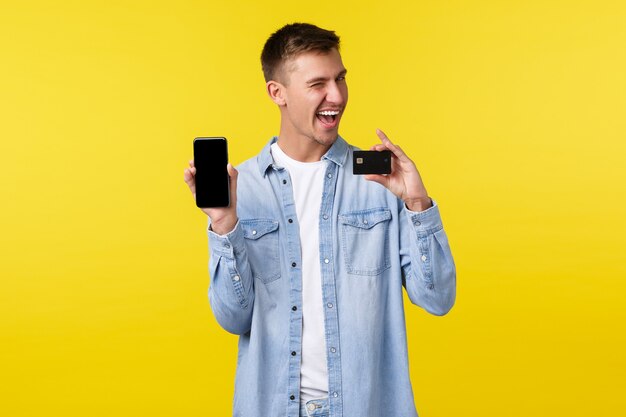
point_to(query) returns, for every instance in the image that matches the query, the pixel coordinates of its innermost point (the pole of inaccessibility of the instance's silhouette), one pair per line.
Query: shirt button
(293, 353)
(293, 264)
(236, 278)
(254, 232)
(330, 175)
(294, 308)
(333, 350)
(424, 258)
(226, 245)
(431, 286)
(285, 182)
(311, 407)
(292, 397)
(329, 305)
(365, 221)
(326, 260)
(417, 222)
(325, 217)
(290, 220)
(335, 394)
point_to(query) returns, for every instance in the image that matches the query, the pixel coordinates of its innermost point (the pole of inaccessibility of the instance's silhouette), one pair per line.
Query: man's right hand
(223, 220)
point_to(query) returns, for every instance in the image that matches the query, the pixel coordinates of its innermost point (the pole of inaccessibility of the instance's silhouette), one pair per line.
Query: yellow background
(514, 112)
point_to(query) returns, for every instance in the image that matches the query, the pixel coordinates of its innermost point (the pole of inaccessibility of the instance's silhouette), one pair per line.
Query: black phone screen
(212, 182)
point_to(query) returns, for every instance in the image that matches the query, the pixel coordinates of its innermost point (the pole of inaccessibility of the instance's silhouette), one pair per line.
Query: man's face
(316, 94)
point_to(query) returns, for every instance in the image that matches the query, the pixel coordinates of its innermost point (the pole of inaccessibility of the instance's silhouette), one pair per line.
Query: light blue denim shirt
(371, 246)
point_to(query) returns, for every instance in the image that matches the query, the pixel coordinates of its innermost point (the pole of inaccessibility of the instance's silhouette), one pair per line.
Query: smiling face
(312, 97)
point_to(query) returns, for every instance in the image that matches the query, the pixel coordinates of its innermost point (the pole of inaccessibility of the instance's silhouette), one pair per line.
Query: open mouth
(328, 118)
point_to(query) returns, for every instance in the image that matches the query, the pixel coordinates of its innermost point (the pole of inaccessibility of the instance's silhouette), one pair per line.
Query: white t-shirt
(307, 179)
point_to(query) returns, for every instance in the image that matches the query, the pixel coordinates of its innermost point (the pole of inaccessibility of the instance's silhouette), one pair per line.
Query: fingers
(381, 179)
(395, 149)
(190, 177)
(378, 147)
(190, 173)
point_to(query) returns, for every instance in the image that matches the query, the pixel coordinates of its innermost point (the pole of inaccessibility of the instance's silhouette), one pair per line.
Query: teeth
(328, 113)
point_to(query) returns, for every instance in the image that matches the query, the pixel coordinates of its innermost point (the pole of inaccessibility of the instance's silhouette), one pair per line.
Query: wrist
(223, 226)
(418, 204)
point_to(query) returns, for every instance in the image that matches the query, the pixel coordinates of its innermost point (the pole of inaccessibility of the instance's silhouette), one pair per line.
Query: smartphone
(371, 162)
(212, 181)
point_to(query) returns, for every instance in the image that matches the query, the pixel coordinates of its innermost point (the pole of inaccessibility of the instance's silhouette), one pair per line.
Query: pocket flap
(257, 228)
(365, 219)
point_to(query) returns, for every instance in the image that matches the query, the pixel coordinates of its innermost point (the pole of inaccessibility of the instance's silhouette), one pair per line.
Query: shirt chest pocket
(261, 237)
(365, 241)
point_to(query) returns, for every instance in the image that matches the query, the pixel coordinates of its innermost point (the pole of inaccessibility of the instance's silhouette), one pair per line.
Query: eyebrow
(318, 79)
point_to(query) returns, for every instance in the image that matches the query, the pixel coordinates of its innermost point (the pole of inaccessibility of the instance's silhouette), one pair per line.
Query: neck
(302, 149)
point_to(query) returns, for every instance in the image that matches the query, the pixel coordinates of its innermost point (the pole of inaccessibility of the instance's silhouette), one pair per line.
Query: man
(308, 263)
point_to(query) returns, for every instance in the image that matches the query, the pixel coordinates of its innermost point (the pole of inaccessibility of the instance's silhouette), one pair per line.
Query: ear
(276, 92)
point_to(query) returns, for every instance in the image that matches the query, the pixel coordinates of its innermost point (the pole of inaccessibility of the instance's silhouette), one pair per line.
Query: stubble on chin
(326, 142)
(327, 139)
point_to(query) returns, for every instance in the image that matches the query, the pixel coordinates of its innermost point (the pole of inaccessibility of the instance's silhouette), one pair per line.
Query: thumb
(381, 179)
(233, 174)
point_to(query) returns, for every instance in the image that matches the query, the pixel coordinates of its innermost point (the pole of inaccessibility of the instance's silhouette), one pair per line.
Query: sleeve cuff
(428, 221)
(226, 245)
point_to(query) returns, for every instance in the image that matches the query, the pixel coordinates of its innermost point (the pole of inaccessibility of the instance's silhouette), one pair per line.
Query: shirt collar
(337, 153)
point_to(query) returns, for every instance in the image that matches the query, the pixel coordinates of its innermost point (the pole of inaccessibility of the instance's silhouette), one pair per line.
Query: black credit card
(371, 162)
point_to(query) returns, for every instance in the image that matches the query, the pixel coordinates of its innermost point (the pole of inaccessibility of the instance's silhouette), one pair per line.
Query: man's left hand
(404, 180)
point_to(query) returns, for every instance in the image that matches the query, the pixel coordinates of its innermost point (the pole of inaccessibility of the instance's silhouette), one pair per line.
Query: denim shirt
(371, 246)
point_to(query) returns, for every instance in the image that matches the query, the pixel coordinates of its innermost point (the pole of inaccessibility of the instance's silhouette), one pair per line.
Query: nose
(337, 93)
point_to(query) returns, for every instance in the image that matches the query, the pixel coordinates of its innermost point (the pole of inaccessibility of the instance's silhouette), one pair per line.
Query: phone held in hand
(212, 180)
(371, 162)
